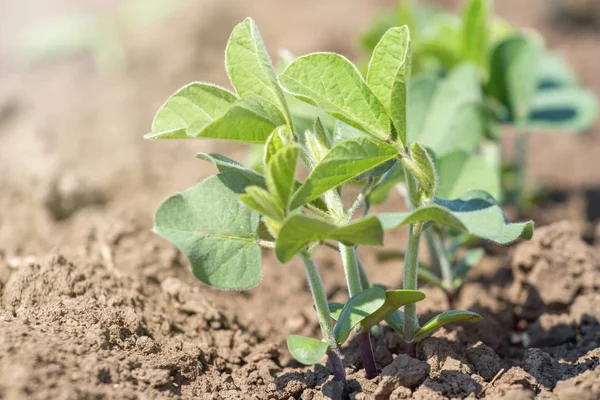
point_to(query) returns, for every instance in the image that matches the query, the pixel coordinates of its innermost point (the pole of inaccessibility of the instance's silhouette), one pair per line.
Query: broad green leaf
(278, 138)
(333, 83)
(335, 309)
(513, 70)
(465, 264)
(196, 104)
(299, 230)
(570, 109)
(225, 164)
(475, 31)
(247, 120)
(250, 68)
(343, 162)
(357, 309)
(216, 232)
(389, 73)
(461, 171)
(281, 172)
(396, 321)
(453, 116)
(443, 319)
(264, 202)
(394, 299)
(475, 212)
(306, 350)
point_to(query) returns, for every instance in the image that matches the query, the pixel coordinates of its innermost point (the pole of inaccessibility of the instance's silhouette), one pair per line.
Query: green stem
(409, 279)
(322, 306)
(319, 298)
(351, 269)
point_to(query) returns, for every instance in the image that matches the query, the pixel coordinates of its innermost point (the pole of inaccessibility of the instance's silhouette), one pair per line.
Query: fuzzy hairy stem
(409, 279)
(322, 307)
(353, 269)
(319, 298)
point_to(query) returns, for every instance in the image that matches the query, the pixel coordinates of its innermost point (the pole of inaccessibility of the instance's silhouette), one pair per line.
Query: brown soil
(93, 305)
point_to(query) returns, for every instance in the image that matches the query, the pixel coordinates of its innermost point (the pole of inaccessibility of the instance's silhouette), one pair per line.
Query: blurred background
(81, 80)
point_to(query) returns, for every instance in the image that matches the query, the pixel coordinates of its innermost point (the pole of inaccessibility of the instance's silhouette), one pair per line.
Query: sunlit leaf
(299, 230)
(306, 350)
(342, 163)
(357, 309)
(475, 212)
(333, 83)
(216, 232)
(443, 319)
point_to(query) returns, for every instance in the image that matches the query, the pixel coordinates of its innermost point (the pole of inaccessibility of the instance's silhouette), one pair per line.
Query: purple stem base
(368, 358)
(410, 349)
(339, 374)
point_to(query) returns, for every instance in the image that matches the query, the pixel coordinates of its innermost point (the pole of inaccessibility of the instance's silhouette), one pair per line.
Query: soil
(93, 305)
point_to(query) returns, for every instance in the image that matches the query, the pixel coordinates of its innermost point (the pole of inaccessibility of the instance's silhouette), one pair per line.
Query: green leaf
(513, 70)
(343, 162)
(465, 264)
(306, 350)
(278, 138)
(226, 164)
(443, 319)
(396, 321)
(394, 299)
(247, 120)
(421, 92)
(196, 104)
(475, 212)
(299, 230)
(264, 202)
(216, 232)
(554, 72)
(389, 73)
(357, 309)
(475, 31)
(333, 83)
(461, 171)
(281, 172)
(250, 68)
(568, 108)
(335, 309)
(452, 116)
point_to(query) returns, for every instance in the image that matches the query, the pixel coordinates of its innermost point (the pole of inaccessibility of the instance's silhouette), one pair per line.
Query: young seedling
(222, 223)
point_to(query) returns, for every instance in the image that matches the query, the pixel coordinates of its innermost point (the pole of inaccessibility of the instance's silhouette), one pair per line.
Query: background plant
(222, 223)
(476, 73)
